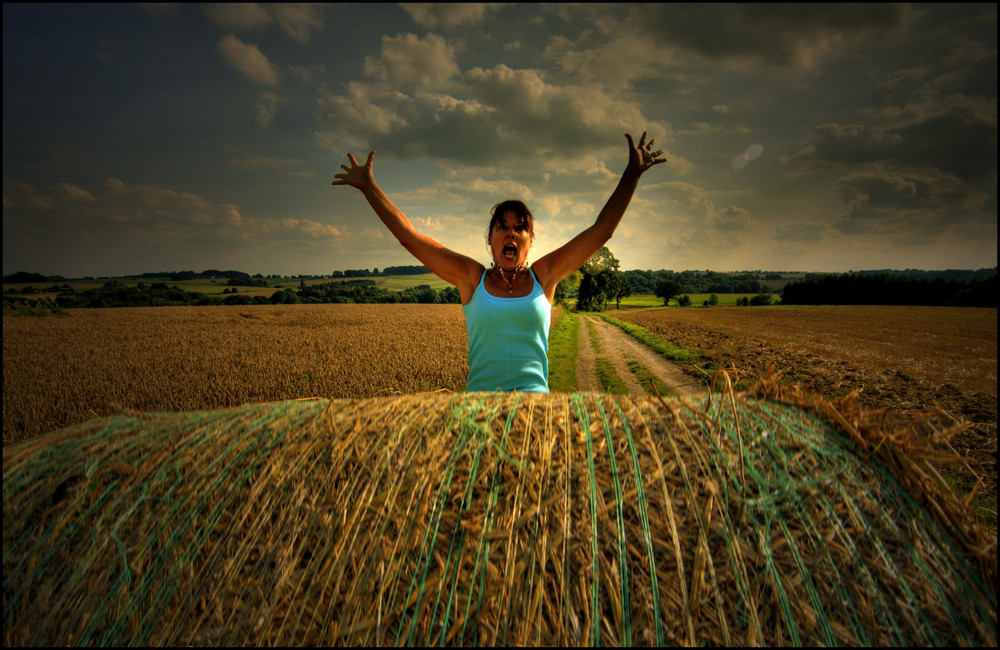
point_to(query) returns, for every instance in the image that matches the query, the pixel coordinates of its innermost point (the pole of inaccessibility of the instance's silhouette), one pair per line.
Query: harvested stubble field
(912, 359)
(59, 371)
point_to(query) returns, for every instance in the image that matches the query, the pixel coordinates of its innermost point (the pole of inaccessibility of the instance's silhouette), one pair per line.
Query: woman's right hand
(355, 175)
(641, 157)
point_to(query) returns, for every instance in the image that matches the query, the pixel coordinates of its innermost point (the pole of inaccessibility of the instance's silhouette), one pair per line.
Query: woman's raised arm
(452, 267)
(563, 261)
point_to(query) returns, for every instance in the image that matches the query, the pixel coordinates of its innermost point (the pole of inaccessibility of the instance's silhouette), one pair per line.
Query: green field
(207, 287)
(647, 300)
(390, 282)
(217, 287)
(400, 282)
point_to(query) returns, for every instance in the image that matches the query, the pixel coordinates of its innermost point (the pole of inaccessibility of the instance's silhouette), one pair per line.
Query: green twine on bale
(647, 536)
(116, 528)
(780, 491)
(595, 585)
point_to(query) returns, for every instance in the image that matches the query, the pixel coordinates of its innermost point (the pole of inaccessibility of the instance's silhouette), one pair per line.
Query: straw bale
(486, 519)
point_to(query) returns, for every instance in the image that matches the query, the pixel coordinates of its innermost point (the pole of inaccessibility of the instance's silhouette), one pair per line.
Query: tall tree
(567, 286)
(590, 297)
(667, 289)
(601, 282)
(601, 260)
(618, 287)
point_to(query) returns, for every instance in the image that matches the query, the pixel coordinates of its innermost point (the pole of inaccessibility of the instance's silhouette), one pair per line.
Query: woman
(508, 306)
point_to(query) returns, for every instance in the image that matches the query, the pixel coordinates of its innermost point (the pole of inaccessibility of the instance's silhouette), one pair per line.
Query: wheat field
(59, 371)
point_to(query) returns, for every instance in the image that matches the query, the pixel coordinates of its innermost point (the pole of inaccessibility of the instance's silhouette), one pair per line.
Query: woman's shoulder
(473, 273)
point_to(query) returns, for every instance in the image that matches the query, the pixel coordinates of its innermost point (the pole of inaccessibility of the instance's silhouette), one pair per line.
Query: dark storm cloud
(959, 138)
(920, 178)
(914, 204)
(773, 34)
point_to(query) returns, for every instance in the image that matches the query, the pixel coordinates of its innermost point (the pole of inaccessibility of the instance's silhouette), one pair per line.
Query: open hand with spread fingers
(355, 175)
(641, 157)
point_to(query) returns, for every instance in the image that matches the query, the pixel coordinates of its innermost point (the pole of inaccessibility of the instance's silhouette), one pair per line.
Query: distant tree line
(233, 278)
(884, 289)
(962, 275)
(22, 277)
(415, 269)
(596, 284)
(366, 291)
(158, 294)
(116, 294)
(646, 282)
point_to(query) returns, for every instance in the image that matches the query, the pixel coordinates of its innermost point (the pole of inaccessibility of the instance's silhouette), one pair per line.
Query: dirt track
(620, 348)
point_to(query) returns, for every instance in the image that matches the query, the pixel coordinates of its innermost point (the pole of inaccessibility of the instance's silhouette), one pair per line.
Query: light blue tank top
(508, 340)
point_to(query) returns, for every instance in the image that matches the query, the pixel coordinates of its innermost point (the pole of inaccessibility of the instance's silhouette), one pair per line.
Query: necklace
(513, 279)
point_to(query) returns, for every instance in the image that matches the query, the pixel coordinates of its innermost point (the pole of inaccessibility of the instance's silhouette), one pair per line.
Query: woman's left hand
(641, 157)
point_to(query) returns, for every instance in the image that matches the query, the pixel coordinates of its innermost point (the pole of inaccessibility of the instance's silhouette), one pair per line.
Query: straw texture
(483, 519)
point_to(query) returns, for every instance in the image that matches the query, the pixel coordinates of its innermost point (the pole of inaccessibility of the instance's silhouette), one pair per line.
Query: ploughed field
(909, 359)
(904, 358)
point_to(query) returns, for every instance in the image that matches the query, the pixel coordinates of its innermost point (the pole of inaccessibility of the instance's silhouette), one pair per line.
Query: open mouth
(510, 251)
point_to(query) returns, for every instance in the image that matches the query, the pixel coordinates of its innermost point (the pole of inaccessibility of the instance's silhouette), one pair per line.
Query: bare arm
(563, 261)
(452, 267)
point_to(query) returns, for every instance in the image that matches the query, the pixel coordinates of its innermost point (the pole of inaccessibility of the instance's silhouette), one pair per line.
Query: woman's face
(510, 241)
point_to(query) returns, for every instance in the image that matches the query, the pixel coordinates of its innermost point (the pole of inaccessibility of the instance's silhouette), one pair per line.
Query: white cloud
(564, 118)
(237, 15)
(734, 219)
(705, 128)
(447, 15)
(75, 193)
(113, 201)
(363, 110)
(248, 60)
(298, 20)
(470, 190)
(153, 210)
(311, 228)
(147, 228)
(498, 117)
(407, 61)
(615, 63)
(693, 200)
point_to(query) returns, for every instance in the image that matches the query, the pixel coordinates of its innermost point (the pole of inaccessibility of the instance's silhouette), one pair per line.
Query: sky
(799, 137)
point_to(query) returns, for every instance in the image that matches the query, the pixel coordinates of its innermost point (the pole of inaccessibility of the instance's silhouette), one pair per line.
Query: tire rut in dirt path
(600, 344)
(586, 363)
(619, 348)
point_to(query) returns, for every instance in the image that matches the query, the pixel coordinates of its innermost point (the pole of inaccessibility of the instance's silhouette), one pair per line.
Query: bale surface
(480, 519)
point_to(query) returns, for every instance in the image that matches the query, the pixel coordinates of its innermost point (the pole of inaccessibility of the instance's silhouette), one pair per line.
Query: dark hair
(518, 208)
